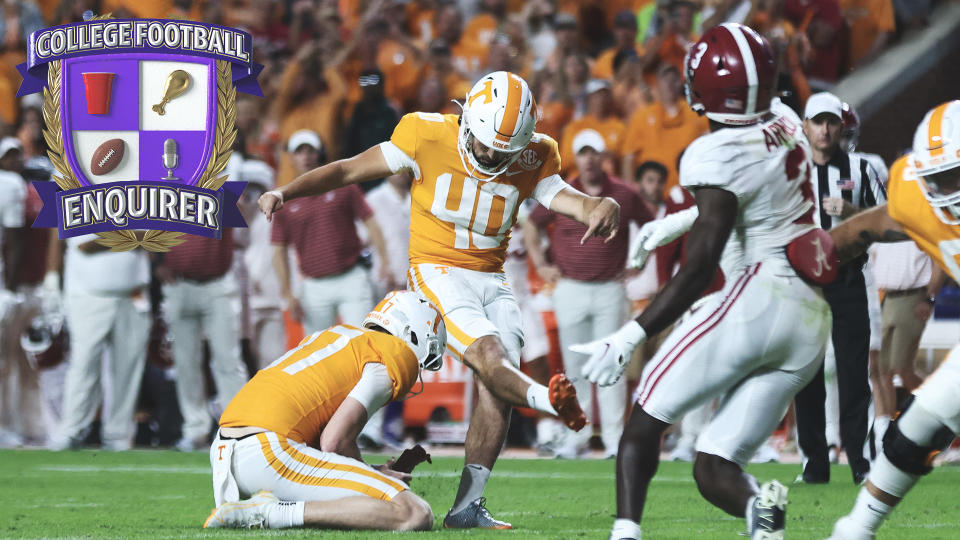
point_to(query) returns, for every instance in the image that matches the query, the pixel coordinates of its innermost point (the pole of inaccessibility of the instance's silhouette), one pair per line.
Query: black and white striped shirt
(851, 177)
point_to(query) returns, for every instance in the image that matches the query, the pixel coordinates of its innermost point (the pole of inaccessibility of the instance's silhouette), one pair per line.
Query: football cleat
(563, 398)
(474, 516)
(246, 514)
(768, 513)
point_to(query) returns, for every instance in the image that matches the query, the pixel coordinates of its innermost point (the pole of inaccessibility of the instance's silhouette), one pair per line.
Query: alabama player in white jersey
(470, 173)
(759, 340)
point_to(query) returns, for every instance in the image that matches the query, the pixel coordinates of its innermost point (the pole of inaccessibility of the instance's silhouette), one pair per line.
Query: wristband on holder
(276, 194)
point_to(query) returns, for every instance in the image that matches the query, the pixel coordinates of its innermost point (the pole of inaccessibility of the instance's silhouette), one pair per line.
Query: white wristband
(632, 333)
(676, 225)
(276, 194)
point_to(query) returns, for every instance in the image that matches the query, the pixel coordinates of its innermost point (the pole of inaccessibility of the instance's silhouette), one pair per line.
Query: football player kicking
(757, 342)
(470, 174)
(923, 204)
(288, 440)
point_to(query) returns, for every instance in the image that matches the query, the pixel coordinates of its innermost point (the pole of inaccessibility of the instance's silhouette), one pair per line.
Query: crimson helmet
(731, 75)
(851, 126)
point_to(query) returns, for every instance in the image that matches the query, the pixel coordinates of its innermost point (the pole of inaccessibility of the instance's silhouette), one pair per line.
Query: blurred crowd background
(193, 324)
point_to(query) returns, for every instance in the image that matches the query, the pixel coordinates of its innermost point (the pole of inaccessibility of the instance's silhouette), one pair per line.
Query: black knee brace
(909, 456)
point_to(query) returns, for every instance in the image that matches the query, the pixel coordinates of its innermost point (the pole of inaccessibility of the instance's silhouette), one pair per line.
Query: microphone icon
(170, 159)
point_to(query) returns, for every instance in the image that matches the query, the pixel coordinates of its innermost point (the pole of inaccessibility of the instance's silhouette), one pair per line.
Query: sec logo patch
(529, 160)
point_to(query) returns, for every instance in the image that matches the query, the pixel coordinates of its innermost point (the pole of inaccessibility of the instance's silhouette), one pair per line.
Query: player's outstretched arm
(367, 165)
(854, 236)
(601, 215)
(708, 236)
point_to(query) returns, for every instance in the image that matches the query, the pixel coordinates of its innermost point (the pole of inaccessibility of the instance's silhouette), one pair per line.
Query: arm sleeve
(550, 182)
(374, 389)
(547, 189)
(399, 160)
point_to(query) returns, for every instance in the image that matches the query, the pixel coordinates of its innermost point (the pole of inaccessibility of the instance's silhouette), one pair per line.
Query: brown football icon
(107, 157)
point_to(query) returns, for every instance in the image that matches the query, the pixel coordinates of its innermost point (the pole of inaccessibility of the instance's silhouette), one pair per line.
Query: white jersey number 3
(697, 56)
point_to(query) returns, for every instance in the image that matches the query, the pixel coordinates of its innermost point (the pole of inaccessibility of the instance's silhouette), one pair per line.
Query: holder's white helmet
(936, 148)
(412, 318)
(500, 113)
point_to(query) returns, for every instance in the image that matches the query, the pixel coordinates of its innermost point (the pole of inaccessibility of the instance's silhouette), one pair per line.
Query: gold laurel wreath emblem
(152, 240)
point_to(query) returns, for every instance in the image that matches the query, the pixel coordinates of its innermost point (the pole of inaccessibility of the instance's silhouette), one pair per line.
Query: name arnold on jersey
(779, 133)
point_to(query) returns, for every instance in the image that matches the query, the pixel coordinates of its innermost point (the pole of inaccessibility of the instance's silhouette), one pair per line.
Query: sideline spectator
(13, 194)
(589, 299)
(322, 231)
(108, 314)
(911, 282)
(263, 287)
(202, 299)
(390, 202)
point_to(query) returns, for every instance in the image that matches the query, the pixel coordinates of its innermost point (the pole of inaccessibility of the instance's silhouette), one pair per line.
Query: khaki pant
(901, 329)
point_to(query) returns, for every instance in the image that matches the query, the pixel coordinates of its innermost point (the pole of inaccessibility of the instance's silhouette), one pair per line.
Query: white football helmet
(412, 318)
(500, 113)
(936, 148)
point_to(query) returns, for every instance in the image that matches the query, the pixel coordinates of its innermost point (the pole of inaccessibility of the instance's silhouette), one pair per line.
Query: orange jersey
(907, 205)
(457, 220)
(296, 395)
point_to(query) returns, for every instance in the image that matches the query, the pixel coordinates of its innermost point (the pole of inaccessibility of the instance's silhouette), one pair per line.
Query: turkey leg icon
(170, 159)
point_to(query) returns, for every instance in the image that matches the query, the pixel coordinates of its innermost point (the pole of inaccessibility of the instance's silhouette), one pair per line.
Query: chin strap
(411, 393)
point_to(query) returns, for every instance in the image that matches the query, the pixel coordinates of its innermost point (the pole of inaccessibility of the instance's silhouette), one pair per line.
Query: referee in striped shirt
(844, 184)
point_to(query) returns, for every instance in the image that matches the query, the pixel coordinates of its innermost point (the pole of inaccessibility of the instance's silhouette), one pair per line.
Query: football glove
(410, 458)
(654, 234)
(609, 356)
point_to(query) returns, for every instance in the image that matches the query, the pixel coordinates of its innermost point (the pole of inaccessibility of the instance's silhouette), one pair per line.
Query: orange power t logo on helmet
(486, 93)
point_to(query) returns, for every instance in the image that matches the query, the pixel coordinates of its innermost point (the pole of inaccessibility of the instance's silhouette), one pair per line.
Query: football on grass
(107, 157)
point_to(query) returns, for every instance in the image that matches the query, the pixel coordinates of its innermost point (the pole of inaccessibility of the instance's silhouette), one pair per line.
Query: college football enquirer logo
(140, 124)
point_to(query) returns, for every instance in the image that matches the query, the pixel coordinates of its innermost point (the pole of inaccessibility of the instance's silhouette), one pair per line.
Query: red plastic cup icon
(98, 86)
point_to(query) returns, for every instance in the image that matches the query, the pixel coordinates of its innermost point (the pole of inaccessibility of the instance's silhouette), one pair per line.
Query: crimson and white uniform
(760, 340)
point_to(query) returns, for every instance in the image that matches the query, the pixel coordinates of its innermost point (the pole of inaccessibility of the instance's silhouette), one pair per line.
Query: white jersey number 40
(481, 212)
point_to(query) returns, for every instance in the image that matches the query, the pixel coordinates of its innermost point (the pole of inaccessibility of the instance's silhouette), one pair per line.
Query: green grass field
(164, 494)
